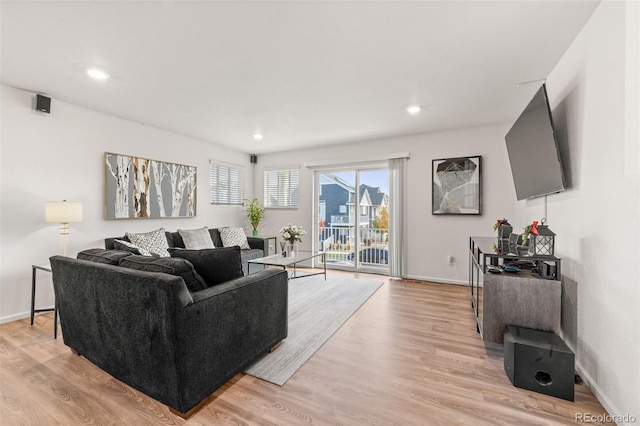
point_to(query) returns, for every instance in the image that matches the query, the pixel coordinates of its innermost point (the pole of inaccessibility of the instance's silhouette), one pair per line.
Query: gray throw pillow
(214, 265)
(196, 239)
(168, 265)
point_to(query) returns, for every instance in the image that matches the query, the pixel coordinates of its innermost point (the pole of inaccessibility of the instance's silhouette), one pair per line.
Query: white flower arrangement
(292, 233)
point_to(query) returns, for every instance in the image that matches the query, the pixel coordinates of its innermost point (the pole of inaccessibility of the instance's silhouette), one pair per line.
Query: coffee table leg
(324, 262)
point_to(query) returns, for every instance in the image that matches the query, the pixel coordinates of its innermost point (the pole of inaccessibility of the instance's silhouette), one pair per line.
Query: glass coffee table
(292, 262)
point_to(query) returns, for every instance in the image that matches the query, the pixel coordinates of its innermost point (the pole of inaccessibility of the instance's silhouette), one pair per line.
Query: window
(281, 188)
(227, 184)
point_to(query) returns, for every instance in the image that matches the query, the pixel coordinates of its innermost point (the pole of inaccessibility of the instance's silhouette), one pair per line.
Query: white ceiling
(304, 73)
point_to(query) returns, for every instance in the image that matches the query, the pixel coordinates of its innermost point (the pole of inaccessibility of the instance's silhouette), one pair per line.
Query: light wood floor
(409, 356)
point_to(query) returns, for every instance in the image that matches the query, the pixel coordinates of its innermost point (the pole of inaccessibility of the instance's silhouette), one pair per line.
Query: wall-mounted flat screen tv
(533, 151)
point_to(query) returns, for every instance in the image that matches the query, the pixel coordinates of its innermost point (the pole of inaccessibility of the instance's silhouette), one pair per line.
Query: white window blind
(227, 184)
(281, 188)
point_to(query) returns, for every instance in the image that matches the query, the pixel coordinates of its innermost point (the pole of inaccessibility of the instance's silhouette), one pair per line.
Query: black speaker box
(253, 159)
(43, 104)
(539, 361)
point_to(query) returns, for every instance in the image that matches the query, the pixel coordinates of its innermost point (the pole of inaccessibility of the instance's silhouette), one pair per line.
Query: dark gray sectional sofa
(140, 322)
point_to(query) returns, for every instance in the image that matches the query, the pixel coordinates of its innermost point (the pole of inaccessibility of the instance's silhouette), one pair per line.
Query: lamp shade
(63, 211)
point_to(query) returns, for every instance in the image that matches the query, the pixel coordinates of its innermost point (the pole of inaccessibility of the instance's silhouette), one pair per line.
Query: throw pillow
(234, 237)
(153, 242)
(214, 265)
(168, 265)
(110, 257)
(127, 246)
(196, 238)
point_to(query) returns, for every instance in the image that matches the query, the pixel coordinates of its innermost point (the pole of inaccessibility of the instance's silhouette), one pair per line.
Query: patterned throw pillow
(127, 246)
(234, 237)
(196, 239)
(155, 242)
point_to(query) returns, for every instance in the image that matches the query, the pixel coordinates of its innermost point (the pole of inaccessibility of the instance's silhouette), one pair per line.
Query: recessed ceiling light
(97, 74)
(414, 109)
(257, 136)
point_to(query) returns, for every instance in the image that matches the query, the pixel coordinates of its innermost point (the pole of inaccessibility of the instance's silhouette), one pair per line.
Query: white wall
(593, 93)
(592, 89)
(60, 156)
(431, 238)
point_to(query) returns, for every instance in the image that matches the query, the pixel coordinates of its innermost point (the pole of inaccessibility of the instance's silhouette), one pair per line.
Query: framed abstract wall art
(138, 187)
(456, 186)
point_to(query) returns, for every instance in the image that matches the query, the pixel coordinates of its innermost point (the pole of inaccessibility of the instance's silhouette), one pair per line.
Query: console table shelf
(524, 299)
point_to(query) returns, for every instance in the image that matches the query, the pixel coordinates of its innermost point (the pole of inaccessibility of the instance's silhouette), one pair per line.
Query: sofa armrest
(258, 243)
(226, 328)
(267, 275)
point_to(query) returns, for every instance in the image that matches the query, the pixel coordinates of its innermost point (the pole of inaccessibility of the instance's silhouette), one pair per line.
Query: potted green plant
(255, 213)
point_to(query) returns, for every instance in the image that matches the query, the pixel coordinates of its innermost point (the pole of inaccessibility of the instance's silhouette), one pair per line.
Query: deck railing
(340, 244)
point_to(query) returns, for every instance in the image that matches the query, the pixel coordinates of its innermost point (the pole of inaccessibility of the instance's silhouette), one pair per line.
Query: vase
(292, 248)
(255, 233)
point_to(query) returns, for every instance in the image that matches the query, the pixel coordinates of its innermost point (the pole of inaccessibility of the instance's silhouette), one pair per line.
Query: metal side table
(47, 268)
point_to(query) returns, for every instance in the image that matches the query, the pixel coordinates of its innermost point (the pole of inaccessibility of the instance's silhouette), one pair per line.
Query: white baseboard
(437, 280)
(15, 317)
(614, 413)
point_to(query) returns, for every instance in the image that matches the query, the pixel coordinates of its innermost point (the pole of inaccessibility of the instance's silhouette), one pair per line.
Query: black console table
(529, 298)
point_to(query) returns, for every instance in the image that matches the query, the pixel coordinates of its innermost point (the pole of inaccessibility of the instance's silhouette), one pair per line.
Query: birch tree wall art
(142, 188)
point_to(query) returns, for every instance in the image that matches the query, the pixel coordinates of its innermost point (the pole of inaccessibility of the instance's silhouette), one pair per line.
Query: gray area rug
(317, 309)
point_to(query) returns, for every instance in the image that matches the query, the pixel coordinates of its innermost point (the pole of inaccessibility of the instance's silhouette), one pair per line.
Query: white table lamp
(63, 212)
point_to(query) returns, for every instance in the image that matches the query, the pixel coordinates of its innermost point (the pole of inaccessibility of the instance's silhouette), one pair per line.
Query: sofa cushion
(153, 242)
(130, 247)
(215, 265)
(234, 237)
(196, 238)
(168, 265)
(110, 257)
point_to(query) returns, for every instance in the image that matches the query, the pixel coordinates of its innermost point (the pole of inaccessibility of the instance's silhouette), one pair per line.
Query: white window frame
(227, 182)
(281, 188)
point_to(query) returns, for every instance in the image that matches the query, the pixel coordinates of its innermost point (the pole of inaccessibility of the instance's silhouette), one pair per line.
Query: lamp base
(64, 238)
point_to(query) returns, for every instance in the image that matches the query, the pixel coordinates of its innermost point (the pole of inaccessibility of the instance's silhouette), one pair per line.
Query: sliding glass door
(352, 217)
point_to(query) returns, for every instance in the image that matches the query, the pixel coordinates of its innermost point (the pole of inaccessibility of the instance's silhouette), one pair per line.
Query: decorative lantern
(504, 229)
(541, 239)
(516, 245)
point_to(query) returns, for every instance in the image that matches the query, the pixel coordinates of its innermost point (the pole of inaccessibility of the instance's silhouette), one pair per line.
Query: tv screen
(533, 151)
